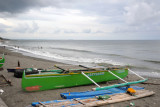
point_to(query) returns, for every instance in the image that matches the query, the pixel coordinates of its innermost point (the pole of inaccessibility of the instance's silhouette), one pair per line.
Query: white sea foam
(94, 53)
(149, 74)
(57, 57)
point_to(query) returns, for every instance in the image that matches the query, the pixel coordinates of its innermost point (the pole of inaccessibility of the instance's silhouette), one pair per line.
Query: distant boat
(62, 78)
(2, 60)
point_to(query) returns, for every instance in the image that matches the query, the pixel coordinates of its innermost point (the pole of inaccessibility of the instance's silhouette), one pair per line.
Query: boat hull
(2, 60)
(55, 81)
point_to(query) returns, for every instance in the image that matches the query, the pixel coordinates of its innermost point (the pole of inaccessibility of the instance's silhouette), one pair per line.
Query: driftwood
(5, 81)
(150, 83)
(1, 68)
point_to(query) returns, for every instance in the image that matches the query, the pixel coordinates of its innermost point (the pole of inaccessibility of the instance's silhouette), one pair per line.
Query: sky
(80, 19)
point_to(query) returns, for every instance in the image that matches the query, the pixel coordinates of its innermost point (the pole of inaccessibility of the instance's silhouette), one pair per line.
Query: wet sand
(14, 96)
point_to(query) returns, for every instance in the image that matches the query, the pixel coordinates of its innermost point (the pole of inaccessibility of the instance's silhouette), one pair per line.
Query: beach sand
(14, 96)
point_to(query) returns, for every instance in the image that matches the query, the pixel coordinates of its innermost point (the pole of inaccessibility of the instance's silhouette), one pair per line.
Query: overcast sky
(80, 19)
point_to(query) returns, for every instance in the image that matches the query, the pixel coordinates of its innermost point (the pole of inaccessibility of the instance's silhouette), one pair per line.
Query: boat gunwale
(71, 73)
(63, 74)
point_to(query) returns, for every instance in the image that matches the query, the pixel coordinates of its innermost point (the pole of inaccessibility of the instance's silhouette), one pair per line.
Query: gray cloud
(141, 12)
(102, 7)
(70, 31)
(123, 16)
(3, 28)
(26, 28)
(86, 31)
(140, 17)
(18, 6)
(57, 31)
(34, 28)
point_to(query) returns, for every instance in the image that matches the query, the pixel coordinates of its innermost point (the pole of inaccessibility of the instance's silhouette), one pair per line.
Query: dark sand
(14, 96)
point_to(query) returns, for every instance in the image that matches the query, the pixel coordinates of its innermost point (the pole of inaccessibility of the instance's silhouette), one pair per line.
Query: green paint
(2, 61)
(103, 97)
(54, 80)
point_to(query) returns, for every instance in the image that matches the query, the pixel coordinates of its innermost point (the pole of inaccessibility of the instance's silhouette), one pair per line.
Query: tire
(18, 73)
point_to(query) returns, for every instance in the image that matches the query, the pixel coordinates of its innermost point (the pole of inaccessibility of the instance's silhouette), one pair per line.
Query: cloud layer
(74, 19)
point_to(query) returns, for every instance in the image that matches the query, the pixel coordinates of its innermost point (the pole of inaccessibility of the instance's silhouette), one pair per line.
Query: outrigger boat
(62, 78)
(101, 95)
(2, 60)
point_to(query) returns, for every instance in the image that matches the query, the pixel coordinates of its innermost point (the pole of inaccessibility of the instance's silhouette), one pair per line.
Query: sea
(141, 56)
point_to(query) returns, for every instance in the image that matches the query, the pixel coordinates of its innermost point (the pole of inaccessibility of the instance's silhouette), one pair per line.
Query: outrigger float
(101, 95)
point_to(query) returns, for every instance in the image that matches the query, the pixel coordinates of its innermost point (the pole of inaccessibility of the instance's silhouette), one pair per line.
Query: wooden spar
(90, 79)
(59, 67)
(42, 104)
(64, 71)
(69, 70)
(78, 101)
(74, 70)
(86, 67)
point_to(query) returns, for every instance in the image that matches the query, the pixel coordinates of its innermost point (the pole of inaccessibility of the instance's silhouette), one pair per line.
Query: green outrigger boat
(2, 60)
(55, 79)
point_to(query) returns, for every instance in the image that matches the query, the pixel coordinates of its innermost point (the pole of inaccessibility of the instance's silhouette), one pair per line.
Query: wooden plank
(59, 104)
(95, 102)
(121, 97)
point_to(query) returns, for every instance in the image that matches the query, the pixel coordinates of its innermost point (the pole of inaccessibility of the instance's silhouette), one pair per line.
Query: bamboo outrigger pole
(117, 76)
(123, 84)
(90, 79)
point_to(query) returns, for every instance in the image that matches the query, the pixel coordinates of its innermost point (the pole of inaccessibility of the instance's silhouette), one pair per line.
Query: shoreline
(14, 96)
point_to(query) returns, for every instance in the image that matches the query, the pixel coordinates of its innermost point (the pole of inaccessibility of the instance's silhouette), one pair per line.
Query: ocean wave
(149, 74)
(143, 67)
(67, 49)
(92, 52)
(122, 56)
(57, 57)
(153, 61)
